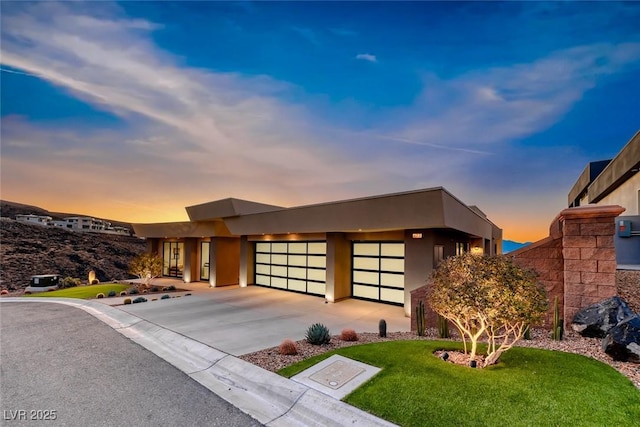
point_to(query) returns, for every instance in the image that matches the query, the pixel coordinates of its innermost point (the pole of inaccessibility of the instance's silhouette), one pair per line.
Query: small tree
(489, 296)
(146, 266)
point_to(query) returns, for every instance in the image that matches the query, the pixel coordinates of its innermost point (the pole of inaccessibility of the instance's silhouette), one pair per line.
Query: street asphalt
(62, 363)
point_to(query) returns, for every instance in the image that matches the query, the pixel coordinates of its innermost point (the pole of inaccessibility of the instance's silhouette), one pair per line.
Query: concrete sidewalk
(266, 396)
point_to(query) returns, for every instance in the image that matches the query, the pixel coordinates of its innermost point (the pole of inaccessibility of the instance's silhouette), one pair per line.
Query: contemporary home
(376, 248)
(616, 182)
(87, 223)
(34, 219)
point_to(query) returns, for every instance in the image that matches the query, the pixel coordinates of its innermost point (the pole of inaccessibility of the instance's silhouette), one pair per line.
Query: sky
(132, 111)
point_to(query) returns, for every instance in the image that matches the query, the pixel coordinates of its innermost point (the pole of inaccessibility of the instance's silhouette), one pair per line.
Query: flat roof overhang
(620, 169)
(215, 228)
(413, 210)
(225, 208)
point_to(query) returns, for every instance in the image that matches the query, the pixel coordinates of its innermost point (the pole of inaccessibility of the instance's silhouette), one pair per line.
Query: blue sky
(134, 110)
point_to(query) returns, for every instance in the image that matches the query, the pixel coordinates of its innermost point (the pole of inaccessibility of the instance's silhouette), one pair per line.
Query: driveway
(243, 320)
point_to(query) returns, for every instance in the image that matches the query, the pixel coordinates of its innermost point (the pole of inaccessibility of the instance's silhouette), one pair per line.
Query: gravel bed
(271, 360)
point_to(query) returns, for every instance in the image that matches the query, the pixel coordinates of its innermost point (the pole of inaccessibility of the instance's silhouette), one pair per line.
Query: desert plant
(4, 292)
(348, 335)
(288, 347)
(139, 299)
(69, 282)
(443, 327)
(165, 296)
(127, 301)
(133, 291)
(95, 282)
(489, 296)
(100, 295)
(558, 323)
(382, 328)
(155, 289)
(171, 288)
(123, 293)
(146, 266)
(318, 334)
(111, 293)
(420, 320)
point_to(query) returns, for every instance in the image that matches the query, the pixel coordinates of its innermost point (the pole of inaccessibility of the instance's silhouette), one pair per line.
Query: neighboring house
(87, 223)
(376, 248)
(34, 219)
(616, 182)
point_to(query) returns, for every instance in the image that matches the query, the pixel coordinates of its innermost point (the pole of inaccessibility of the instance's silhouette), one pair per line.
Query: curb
(266, 396)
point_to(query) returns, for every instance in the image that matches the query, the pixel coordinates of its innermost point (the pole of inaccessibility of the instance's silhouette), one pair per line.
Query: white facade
(34, 219)
(75, 223)
(626, 195)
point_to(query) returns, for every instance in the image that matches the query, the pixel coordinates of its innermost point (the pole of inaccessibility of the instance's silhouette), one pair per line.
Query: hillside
(28, 249)
(11, 209)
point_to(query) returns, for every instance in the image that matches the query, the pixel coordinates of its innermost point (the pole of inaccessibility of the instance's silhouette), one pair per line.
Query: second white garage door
(378, 271)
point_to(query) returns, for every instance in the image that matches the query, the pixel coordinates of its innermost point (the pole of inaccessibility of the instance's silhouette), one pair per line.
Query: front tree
(146, 266)
(489, 296)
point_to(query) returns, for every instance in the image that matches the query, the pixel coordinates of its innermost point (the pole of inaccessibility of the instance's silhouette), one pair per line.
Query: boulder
(623, 340)
(595, 320)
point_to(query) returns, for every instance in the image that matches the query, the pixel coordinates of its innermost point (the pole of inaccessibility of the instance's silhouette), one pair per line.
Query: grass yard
(528, 387)
(83, 292)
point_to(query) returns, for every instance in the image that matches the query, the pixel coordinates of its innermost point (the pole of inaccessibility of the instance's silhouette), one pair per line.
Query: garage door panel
(317, 261)
(316, 288)
(279, 270)
(366, 277)
(361, 263)
(300, 260)
(263, 258)
(392, 295)
(369, 292)
(297, 285)
(263, 269)
(263, 280)
(297, 273)
(279, 259)
(392, 280)
(317, 275)
(392, 264)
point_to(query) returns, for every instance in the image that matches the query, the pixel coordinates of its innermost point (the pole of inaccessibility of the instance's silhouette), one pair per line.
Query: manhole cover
(336, 374)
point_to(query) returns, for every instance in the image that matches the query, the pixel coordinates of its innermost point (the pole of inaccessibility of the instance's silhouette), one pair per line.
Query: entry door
(173, 259)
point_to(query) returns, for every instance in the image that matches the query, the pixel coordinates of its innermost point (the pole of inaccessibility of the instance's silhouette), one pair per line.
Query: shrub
(348, 335)
(123, 293)
(100, 295)
(111, 293)
(288, 347)
(155, 289)
(69, 282)
(318, 334)
(165, 296)
(171, 288)
(95, 282)
(27, 292)
(165, 289)
(139, 299)
(487, 296)
(127, 301)
(186, 295)
(133, 291)
(4, 292)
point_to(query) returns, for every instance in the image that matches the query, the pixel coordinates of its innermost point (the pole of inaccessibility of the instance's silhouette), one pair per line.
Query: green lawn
(529, 387)
(83, 292)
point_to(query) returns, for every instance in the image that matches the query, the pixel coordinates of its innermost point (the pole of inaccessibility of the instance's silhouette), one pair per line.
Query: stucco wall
(626, 195)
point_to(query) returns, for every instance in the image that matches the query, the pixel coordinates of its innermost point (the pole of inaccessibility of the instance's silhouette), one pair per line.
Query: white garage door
(294, 266)
(378, 271)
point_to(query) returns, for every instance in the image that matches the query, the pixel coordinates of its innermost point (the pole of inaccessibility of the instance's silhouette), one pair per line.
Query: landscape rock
(596, 320)
(623, 340)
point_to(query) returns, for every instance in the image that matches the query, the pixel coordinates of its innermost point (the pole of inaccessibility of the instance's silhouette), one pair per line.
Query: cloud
(190, 135)
(367, 57)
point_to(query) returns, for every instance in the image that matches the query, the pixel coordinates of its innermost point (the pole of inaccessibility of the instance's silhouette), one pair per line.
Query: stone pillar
(589, 256)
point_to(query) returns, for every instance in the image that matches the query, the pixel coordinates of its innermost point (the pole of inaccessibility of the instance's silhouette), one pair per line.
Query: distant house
(34, 219)
(88, 224)
(616, 182)
(376, 248)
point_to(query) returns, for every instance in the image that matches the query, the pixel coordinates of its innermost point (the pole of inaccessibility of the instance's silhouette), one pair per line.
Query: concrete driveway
(243, 320)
